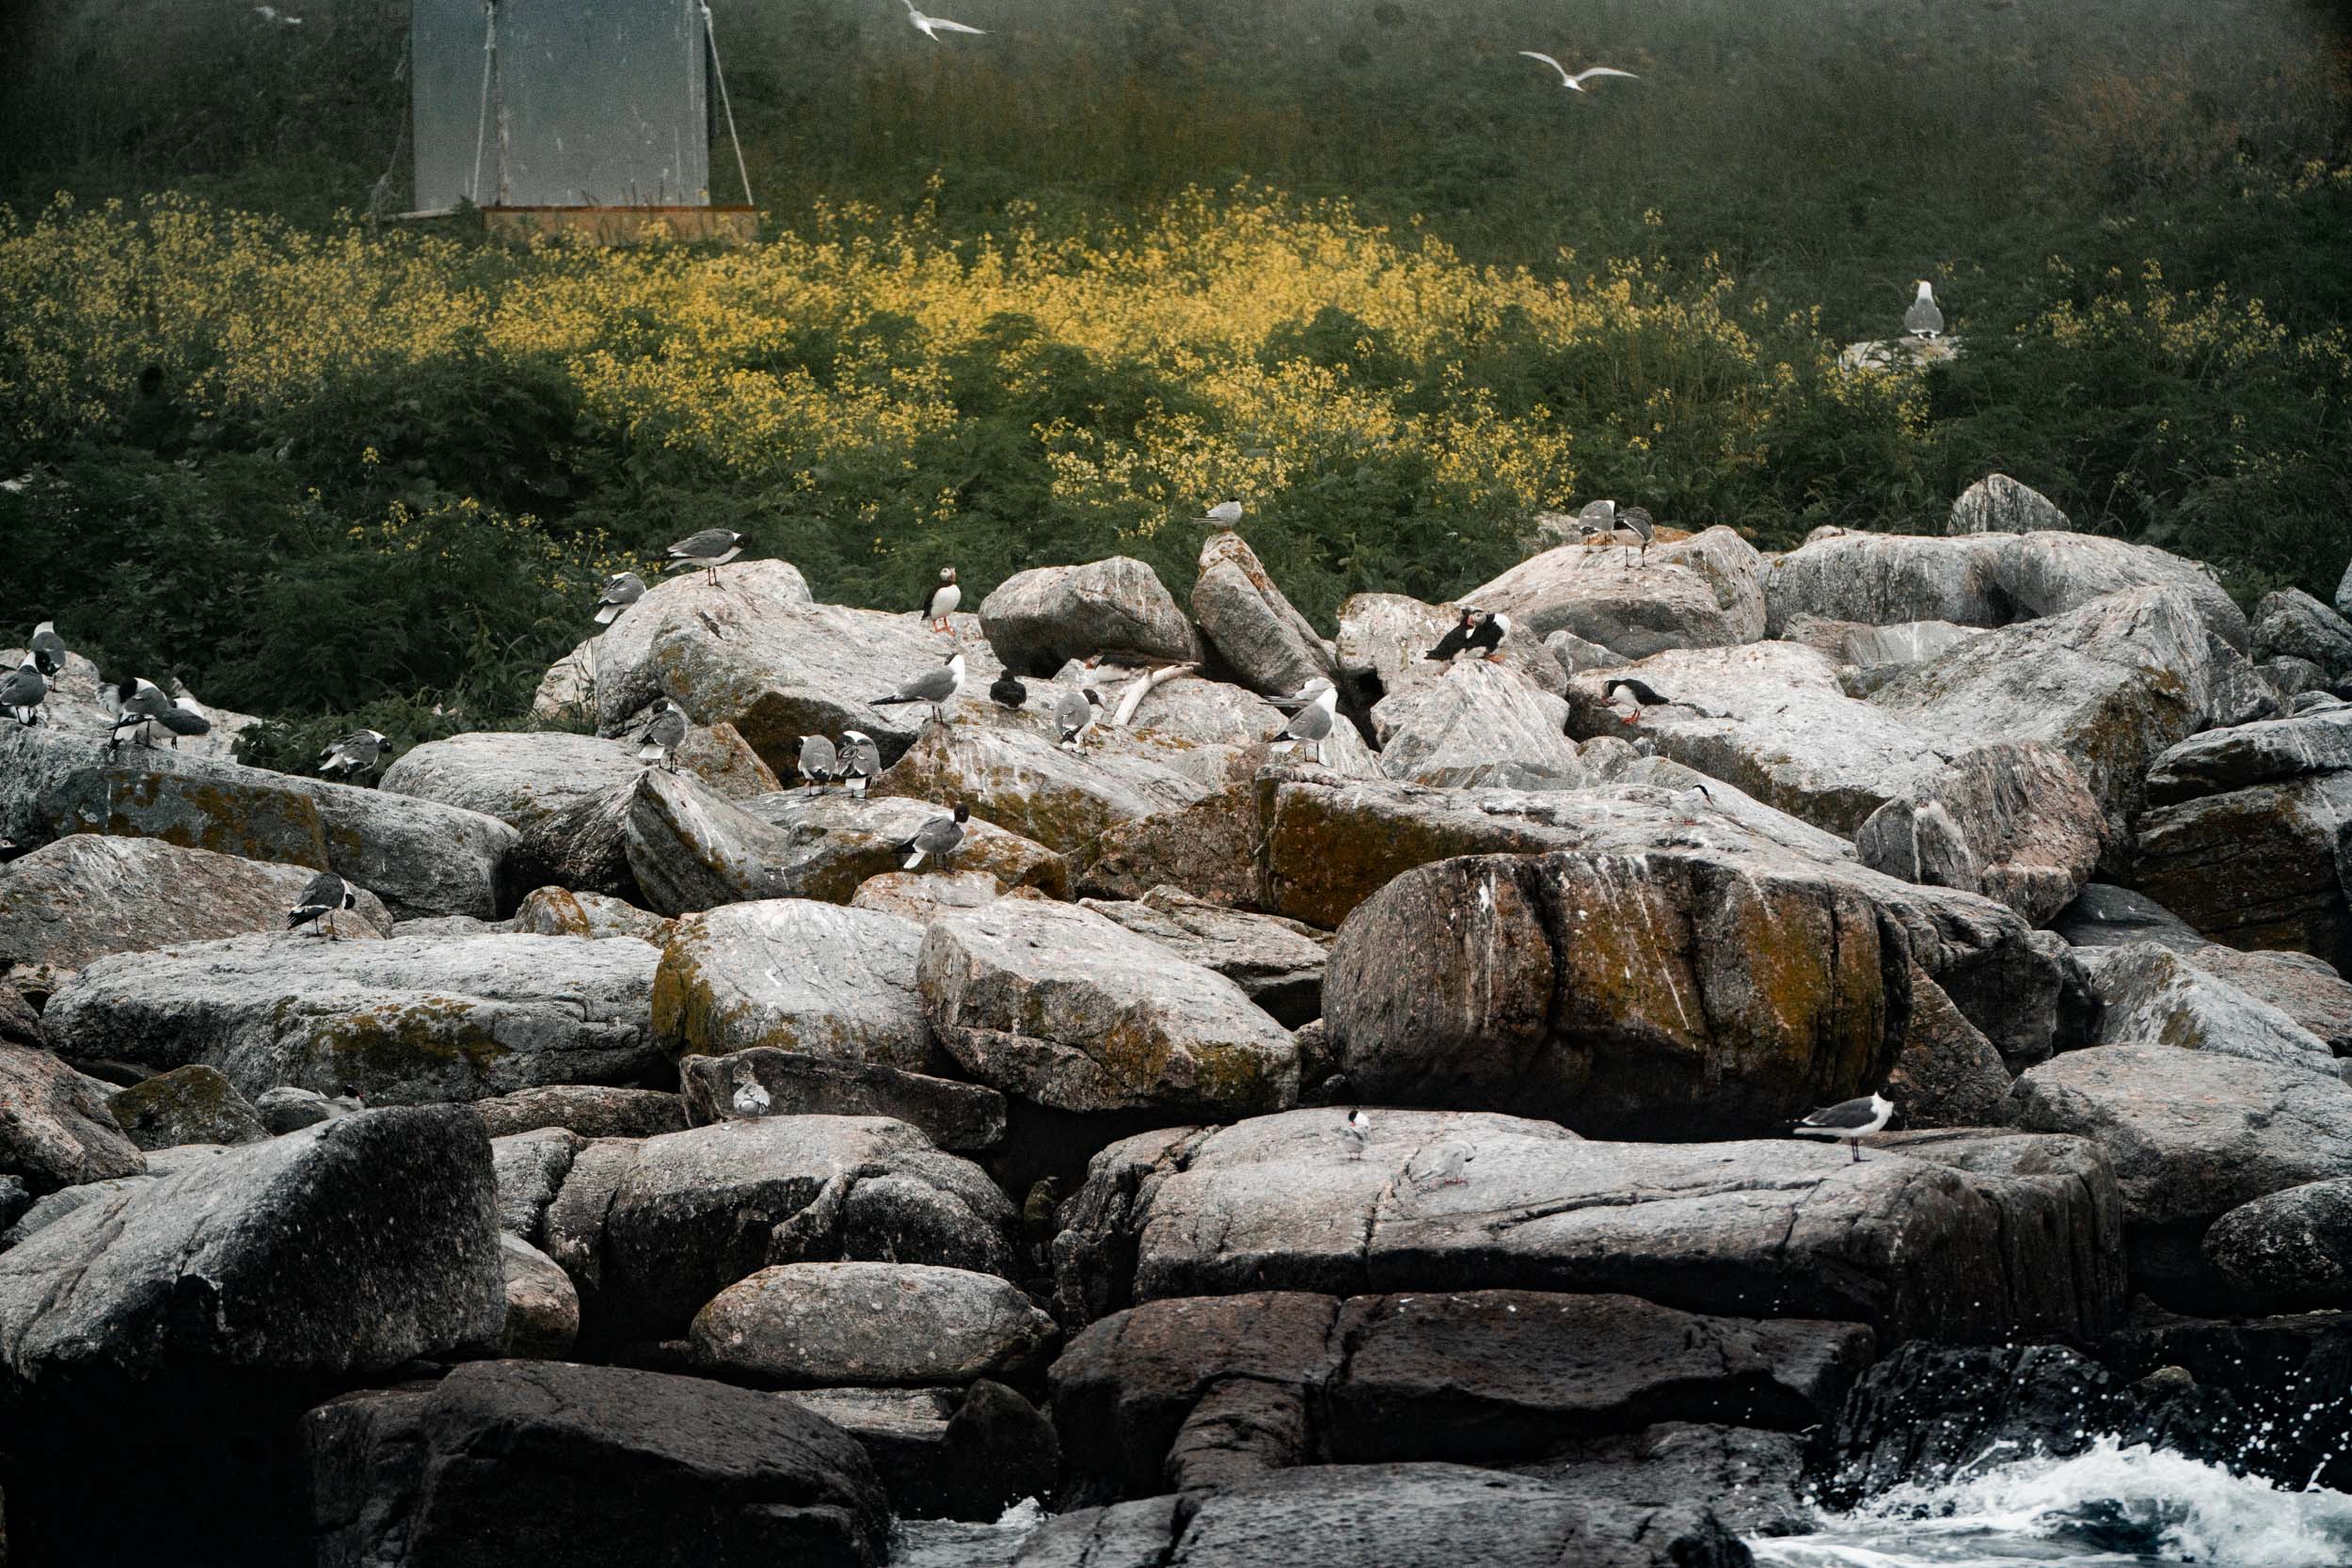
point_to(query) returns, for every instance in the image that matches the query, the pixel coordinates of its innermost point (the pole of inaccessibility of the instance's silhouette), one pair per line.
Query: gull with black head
(937, 688)
(1848, 1121)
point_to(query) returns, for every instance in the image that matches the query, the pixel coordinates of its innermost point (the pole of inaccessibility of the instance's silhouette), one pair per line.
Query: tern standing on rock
(663, 736)
(710, 550)
(819, 763)
(621, 590)
(943, 600)
(861, 760)
(1356, 1135)
(1848, 1121)
(1925, 319)
(22, 693)
(326, 893)
(936, 686)
(937, 838)
(1311, 725)
(354, 753)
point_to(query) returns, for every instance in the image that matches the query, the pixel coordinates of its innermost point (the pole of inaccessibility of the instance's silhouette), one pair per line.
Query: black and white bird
(326, 893)
(1007, 692)
(22, 693)
(1075, 712)
(354, 753)
(710, 550)
(936, 838)
(931, 26)
(1925, 319)
(662, 735)
(1606, 519)
(621, 590)
(1848, 1121)
(819, 764)
(861, 760)
(1644, 695)
(943, 600)
(48, 649)
(1576, 83)
(1224, 514)
(1478, 631)
(936, 686)
(138, 703)
(1311, 725)
(10, 850)
(186, 719)
(1356, 1135)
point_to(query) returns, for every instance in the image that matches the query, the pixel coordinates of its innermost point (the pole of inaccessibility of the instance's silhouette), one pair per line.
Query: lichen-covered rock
(2291, 623)
(1278, 963)
(765, 1081)
(1039, 618)
(1703, 591)
(590, 1110)
(1998, 504)
(922, 897)
(837, 843)
(1208, 848)
(1273, 648)
(815, 979)
(1479, 726)
(820, 1326)
(564, 795)
(560, 911)
(2030, 834)
(1019, 779)
(55, 1127)
(623, 675)
(542, 1308)
(1385, 639)
(192, 1104)
(689, 850)
(2150, 995)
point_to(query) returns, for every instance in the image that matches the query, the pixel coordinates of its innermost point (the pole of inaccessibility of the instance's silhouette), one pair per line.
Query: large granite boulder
(1967, 1236)
(1208, 848)
(688, 849)
(2150, 995)
(1061, 1007)
(765, 1081)
(2290, 624)
(921, 897)
(1385, 639)
(2273, 750)
(2265, 866)
(1039, 618)
(1947, 1073)
(1278, 963)
(506, 1463)
(591, 1110)
(1481, 725)
(948, 1452)
(192, 1104)
(821, 1326)
(1998, 504)
(2019, 824)
(55, 1127)
(621, 676)
(1254, 630)
(838, 843)
(563, 794)
(560, 911)
(2290, 1249)
(402, 1022)
(542, 1308)
(1703, 591)
(2308, 990)
(813, 978)
(1019, 779)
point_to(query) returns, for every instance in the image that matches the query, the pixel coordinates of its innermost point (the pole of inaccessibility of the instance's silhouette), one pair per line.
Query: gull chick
(1576, 83)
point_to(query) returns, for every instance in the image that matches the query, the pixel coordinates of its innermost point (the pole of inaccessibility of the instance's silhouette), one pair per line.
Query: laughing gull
(1576, 83)
(1848, 1121)
(22, 693)
(710, 550)
(861, 760)
(931, 26)
(662, 735)
(1225, 515)
(1479, 630)
(621, 590)
(1924, 319)
(326, 893)
(1074, 713)
(1007, 692)
(354, 753)
(1356, 1135)
(1311, 725)
(936, 838)
(943, 600)
(819, 763)
(47, 648)
(1606, 519)
(751, 1096)
(936, 686)
(138, 705)
(185, 718)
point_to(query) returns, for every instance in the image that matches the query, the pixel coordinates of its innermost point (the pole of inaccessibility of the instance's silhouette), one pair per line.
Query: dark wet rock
(591, 1110)
(765, 1081)
(2290, 1249)
(542, 1308)
(946, 1454)
(822, 1325)
(192, 1104)
(2105, 915)
(57, 1128)
(1752, 1479)
(2263, 866)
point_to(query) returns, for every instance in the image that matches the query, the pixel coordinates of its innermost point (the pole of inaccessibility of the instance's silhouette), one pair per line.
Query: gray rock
(1873, 656)
(50, 1207)
(2314, 702)
(1576, 655)
(1755, 1481)
(1206, 730)
(290, 1110)
(816, 1325)
(1946, 1074)
(2274, 751)
(2150, 995)
(2293, 678)
(77, 706)
(2292, 1249)
(2242, 693)
(1039, 618)
(2103, 915)
(815, 979)
(2256, 867)
(1019, 779)
(542, 1308)
(2306, 990)
(945, 1452)
(1385, 639)
(591, 1110)
(2027, 832)
(624, 675)
(837, 843)
(1278, 963)
(1975, 1235)
(922, 897)
(84, 897)
(562, 794)
(558, 911)
(2343, 592)
(192, 1104)
(764, 1082)
(567, 692)
(1479, 726)
(14, 1201)
(690, 850)
(55, 1127)
(402, 1022)
(2289, 623)
(530, 1168)
(1998, 504)
(1066, 1008)
(1705, 591)
(1208, 848)
(1273, 648)
(506, 1463)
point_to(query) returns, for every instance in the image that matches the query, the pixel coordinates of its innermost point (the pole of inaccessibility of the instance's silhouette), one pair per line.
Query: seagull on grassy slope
(710, 550)
(819, 763)
(937, 838)
(1074, 713)
(1848, 1121)
(1356, 1135)
(661, 736)
(354, 753)
(1925, 319)
(47, 648)
(936, 686)
(931, 26)
(21, 693)
(1478, 631)
(1576, 83)
(943, 600)
(861, 760)
(326, 893)
(621, 590)
(1311, 725)
(138, 704)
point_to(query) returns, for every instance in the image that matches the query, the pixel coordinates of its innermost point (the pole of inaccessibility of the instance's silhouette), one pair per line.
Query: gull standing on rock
(937, 838)
(1605, 519)
(1848, 1121)
(326, 893)
(138, 705)
(1925, 319)
(22, 692)
(1074, 713)
(662, 735)
(861, 760)
(621, 590)
(354, 753)
(1311, 725)
(936, 686)
(819, 763)
(931, 26)
(1225, 515)
(184, 719)
(710, 550)
(943, 600)
(1576, 83)
(48, 649)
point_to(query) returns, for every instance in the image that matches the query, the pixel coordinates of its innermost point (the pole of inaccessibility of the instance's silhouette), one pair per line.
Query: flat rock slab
(2269, 751)
(765, 1081)
(2308, 990)
(813, 978)
(1039, 618)
(838, 843)
(2150, 995)
(1278, 963)
(1064, 1007)
(2105, 915)
(1703, 591)
(1255, 630)
(818, 1325)
(1970, 1239)
(923, 898)
(401, 1020)
(55, 1127)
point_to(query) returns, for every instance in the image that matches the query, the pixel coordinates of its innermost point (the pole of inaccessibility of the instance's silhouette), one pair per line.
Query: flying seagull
(326, 893)
(1356, 1135)
(354, 753)
(710, 550)
(47, 648)
(944, 600)
(662, 735)
(1576, 83)
(1477, 629)
(1224, 514)
(138, 705)
(1007, 692)
(1924, 319)
(621, 590)
(185, 718)
(861, 760)
(1849, 1120)
(1311, 725)
(819, 763)
(22, 692)
(931, 26)
(1074, 713)
(936, 838)
(936, 686)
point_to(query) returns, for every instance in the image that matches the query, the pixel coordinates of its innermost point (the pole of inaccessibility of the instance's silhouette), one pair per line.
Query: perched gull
(185, 718)
(1849, 1120)
(138, 705)
(21, 693)
(662, 735)
(47, 648)
(1225, 515)
(1356, 1135)
(1074, 713)
(936, 686)
(710, 550)
(1007, 692)
(943, 600)
(1451, 1158)
(1606, 519)
(819, 763)
(354, 753)
(1478, 630)
(930, 26)
(1576, 83)
(326, 893)
(621, 590)
(861, 760)
(936, 838)
(1924, 319)
(1312, 724)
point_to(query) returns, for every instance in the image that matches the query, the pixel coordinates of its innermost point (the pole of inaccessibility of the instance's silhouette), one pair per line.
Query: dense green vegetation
(375, 471)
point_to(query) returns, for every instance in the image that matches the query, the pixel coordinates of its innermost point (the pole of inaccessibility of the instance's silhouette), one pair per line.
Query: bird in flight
(931, 26)
(1576, 83)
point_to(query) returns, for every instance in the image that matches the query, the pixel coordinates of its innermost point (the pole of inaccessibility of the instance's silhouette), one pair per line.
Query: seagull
(1225, 515)
(1356, 1135)
(819, 763)
(710, 550)
(326, 893)
(621, 590)
(1924, 319)
(1007, 692)
(1311, 724)
(10, 850)
(22, 692)
(1604, 520)
(930, 26)
(944, 600)
(47, 648)
(1074, 713)
(1850, 1121)
(861, 760)
(662, 735)
(354, 753)
(1450, 1160)
(936, 838)
(138, 705)
(936, 686)
(185, 717)
(1576, 83)
(1479, 629)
